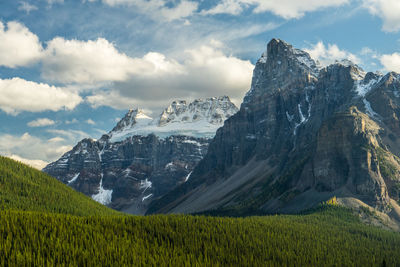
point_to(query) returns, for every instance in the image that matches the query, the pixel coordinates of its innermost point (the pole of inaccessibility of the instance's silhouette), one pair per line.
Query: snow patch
(188, 176)
(251, 137)
(103, 196)
(369, 109)
(302, 118)
(73, 178)
(289, 117)
(145, 184)
(146, 197)
(301, 115)
(305, 59)
(201, 118)
(169, 165)
(192, 142)
(363, 88)
(263, 58)
(101, 153)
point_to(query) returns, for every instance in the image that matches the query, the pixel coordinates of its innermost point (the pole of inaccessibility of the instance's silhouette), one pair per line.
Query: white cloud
(70, 61)
(158, 9)
(18, 46)
(328, 55)
(37, 151)
(366, 51)
(30, 147)
(73, 136)
(91, 65)
(90, 121)
(208, 71)
(91, 62)
(387, 10)
(25, 6)
(74, 120)
(41, 122)
(56, 139)
(287, 9)
(35, 163)
(391, 62)
(20, 95)
(182, 10)
(51, 2)
(233, 7)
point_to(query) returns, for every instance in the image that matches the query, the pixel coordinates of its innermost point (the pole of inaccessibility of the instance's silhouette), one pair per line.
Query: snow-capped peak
(200, 118)
(133, 117)
(213, 110)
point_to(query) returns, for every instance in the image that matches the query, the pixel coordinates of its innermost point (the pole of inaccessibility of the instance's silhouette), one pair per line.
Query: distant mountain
(27, 189)
(143, 158)
(303, 135)
(201, 119)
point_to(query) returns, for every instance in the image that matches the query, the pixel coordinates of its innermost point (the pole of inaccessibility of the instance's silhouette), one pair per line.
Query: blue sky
(70, 69)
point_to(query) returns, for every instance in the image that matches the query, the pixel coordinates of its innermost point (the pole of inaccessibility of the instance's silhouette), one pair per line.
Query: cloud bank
(41, 122)
(18, 46)
(20, 95)
(387, 10)
(327, 55)
(287, 9)
(391, 62)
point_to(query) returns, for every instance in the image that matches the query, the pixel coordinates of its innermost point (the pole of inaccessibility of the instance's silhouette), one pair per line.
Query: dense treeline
(45, 223)
(331, 236)
(25, 188)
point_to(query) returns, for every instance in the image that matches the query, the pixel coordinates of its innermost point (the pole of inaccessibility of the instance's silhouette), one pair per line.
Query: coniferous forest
(43, 222)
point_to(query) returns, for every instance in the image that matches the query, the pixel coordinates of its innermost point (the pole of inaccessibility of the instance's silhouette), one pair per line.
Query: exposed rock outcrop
(142, 158)
(302, 135)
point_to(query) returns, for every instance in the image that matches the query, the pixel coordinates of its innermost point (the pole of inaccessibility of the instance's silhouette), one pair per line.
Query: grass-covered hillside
(45, 223)
(25, 188)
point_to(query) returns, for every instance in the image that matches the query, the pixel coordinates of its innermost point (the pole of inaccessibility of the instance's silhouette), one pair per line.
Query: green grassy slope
(25, 188)
(328, 237)
(45, 223)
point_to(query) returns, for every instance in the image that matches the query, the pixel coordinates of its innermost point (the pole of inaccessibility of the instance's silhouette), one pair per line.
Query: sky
(70, 69)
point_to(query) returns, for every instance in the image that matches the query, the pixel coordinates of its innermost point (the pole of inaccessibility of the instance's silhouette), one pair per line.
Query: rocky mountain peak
(200, 118)
(278, 47)
(279, 51)
(131, 118)
(141, 159)
(282, 68)
(302, 136)
(213, 110)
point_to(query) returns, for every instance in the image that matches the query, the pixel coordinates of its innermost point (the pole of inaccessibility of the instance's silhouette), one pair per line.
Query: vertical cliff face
(142, 158)
(302, 135)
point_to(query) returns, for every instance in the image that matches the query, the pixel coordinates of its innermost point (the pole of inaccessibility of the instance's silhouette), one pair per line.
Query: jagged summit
(279, 51)
(134, 116)
(214, 110)
(200, 118)
(281, 65)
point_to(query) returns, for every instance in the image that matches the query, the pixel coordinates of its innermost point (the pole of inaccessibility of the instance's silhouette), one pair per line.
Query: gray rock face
(130, 173)
(302, 135)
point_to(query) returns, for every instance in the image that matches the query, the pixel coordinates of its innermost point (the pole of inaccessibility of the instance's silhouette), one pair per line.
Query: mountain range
(142, 158)
(304, 134)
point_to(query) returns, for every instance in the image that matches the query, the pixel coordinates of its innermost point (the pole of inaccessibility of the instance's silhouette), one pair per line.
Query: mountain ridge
(283, 151)
(142, 158)
(200, 118)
